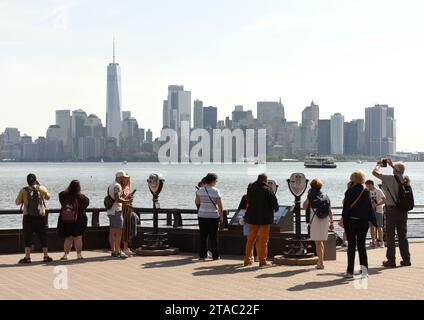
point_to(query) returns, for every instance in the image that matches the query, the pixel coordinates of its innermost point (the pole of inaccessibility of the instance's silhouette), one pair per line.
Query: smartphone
(134, 192)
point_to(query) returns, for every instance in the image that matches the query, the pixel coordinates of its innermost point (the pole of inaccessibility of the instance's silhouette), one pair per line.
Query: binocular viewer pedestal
(156, 243)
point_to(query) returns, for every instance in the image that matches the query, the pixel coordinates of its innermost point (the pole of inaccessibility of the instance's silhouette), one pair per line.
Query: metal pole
(155, 215)
(297, 211)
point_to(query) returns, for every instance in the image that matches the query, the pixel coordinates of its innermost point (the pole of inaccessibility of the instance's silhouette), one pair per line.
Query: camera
(383, 163)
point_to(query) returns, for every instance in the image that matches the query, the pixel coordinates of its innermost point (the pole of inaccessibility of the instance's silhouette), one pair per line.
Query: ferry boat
(320, 162)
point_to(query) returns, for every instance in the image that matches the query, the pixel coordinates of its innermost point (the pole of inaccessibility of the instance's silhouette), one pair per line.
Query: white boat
(320, 162)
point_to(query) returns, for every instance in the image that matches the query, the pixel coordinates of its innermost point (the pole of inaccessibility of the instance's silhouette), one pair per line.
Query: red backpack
(69, 211)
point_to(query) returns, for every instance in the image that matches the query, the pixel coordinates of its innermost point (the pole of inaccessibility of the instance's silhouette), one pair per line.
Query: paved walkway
(182, 277)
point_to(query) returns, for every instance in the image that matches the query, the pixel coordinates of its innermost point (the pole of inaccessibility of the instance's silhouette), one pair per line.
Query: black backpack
(108, 201)
(405, 201)
(320, 205)
(34, 201)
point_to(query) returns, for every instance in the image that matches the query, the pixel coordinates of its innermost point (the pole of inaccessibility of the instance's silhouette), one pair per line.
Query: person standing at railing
(357, 214)
(210, 215)
(32, 199)
(318, 208)
(73, 219)
(398, 204)
(262, 203)
(116, 223)
(127, 212)
(378, 200)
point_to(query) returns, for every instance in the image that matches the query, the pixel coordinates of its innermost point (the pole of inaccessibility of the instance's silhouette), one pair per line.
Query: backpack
(69, 211)
(320, 205)
(405, 201)
(34, 201)
(108, 201)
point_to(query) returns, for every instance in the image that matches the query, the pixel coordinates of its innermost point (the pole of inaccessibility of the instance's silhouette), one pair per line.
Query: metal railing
(187, 218)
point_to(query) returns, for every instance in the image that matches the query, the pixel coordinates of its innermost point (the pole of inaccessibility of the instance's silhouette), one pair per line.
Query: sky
(345, 55)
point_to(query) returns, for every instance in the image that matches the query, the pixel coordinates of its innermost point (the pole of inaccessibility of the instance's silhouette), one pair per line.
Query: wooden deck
(182, 277)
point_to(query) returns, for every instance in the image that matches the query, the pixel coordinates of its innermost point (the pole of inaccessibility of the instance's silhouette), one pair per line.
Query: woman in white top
(210, 214)
(320, 221)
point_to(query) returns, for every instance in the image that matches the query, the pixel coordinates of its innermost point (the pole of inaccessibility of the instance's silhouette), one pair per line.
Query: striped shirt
(208, 209)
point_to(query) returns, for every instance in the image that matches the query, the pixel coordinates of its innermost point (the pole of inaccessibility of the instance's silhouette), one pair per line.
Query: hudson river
(180, 181)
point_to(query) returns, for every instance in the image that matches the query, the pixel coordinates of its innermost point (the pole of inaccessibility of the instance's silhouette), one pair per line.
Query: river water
(180, 181)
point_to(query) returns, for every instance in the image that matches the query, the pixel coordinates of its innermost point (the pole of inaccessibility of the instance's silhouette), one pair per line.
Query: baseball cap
(122, 174)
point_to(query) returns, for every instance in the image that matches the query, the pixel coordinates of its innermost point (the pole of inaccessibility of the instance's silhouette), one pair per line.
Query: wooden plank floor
(182, 277)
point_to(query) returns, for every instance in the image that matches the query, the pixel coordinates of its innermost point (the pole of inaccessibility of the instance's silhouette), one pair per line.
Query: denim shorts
(116, 220)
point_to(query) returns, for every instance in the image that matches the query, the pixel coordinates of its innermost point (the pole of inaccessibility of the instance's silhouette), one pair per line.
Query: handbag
(341, 223)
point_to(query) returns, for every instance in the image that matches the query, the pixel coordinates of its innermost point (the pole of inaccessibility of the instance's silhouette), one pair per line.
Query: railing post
(178, 221)
(169, 218)
(95, 218)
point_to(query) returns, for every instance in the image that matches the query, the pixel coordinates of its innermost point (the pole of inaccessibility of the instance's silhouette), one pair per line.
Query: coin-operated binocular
(297, 186)
(155, 240)
(155, 183)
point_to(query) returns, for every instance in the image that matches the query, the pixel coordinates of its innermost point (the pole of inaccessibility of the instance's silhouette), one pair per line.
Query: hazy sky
(345, 55)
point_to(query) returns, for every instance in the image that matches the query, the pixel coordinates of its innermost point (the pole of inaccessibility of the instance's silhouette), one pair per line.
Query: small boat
(359, 161)
(320, 162)
(101, 160)
(125, 162)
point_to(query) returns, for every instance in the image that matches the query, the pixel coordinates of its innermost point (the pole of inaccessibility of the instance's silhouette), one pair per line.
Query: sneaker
(372, 245)
(64, 258)
(209, 254)
(80, 257)
(114, 255)
(348, 275)
(47, 259)
(248, 264)
(382, 244)
(122, 255)
(25, 261)
(405, 264)
(389, 264)
(129, 253)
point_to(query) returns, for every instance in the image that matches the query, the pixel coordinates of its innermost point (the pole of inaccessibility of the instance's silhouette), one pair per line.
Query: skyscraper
(198, 114)
(178, 106)
(269, 112)
(380, 130)
(337, 134)
(309, 129)
(351, 137)
(210, 117)
(324, 137)
(114, 99)
(63, 120)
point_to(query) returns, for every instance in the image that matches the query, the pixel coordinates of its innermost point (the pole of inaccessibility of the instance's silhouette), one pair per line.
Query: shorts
(116, 220)
(35, 225)
(380, 219)
(75, 229)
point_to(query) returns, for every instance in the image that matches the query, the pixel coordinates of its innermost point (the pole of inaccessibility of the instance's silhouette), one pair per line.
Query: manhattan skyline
(346, 60)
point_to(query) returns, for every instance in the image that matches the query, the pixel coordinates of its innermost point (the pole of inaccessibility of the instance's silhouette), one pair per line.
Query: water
(180, 181)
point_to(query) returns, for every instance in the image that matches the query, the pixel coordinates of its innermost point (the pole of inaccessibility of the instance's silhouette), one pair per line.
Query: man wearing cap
(32, 199)
(115, 191)
(395, 218)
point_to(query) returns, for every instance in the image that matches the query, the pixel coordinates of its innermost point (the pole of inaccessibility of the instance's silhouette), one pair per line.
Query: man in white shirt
(378, 200)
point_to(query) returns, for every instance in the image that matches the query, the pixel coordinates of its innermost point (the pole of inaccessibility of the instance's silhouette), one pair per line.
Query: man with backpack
(399, 201)
(32, 200)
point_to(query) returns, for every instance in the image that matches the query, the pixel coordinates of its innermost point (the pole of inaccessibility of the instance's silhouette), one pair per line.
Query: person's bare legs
(380, 234)
(319, 245)
(78, 245)
(46, 252)
(373, 234)
(118, 238)
(67, 245)
(28, 252)
(112, 239)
